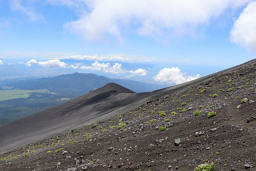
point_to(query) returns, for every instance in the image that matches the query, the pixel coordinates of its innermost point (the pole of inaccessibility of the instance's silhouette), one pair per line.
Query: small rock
(84, 167)
(248, 166)
(72, 169)
(65, 152)
(213, 129)
(177, 141)
(238, 106)
(251, 101)
(169, 166)
(110, 148)
(197, 134)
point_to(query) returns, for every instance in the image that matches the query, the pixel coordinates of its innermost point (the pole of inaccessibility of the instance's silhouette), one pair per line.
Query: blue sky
(163, 41)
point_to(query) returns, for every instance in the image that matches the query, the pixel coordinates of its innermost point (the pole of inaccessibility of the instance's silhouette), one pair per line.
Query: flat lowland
(211, 121)
(20, 94)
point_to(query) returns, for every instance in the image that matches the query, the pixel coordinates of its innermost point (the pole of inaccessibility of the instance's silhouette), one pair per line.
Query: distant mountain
(77, 84)
(20, 98)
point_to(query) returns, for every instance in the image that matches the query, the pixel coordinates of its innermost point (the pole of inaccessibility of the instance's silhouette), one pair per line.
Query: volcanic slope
(209, 120)
(71, 115)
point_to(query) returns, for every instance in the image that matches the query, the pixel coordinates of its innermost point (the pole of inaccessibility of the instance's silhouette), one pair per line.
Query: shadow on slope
(73, 114)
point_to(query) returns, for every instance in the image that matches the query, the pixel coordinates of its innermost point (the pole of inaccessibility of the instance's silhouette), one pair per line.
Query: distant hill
(20, 98)
(77, 84)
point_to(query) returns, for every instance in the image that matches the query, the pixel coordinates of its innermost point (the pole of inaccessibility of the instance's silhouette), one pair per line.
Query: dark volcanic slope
(211, 119)
(67, 116)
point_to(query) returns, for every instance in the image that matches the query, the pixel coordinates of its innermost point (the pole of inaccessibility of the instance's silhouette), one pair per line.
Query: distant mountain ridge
(62, 88)
(79, 83)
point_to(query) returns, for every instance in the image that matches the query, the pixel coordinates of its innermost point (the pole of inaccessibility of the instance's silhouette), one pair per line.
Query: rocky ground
(212, 121)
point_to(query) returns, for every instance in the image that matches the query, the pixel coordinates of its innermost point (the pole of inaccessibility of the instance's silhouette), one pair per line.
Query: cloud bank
(244, 30)
(116, 68)
(148, 17)
(173, 76)
(48, 63)
(1, 62)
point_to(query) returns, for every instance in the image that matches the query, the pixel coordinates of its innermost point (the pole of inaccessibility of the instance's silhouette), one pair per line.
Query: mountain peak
(117, 87)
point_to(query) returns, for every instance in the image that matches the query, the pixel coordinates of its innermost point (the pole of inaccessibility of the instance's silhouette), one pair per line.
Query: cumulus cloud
(244, 29)
(139, 71)
(149, 17)
(18, 5)
(116, 68)
(48, 63)
(105, 67)
(1, 62)
(173, 76)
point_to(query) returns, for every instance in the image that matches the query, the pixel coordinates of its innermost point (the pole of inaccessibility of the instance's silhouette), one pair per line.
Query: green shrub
(154, 120)
(202, 90)
(200, 106)
(230, 89)
(214, 95)
(197, 112)
(184, 110)
(121, 125)
(183, 104)
(162, 128)
(87, 136)
(174, 113)
(167, 120)
(244, 100)
(205, 167)
(211, 114)
(162, 114)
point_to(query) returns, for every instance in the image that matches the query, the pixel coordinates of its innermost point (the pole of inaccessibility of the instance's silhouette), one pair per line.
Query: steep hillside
(209, 120)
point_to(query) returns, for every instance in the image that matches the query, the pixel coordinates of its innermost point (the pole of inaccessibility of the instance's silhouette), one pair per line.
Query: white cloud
(116, 68)
(31, 62)
(121, 58)
(1, 62)
(149, 17)
(105, 67)
(173, 76)
(48, 63)
(244, 30)
(139, 71)
(18, 5)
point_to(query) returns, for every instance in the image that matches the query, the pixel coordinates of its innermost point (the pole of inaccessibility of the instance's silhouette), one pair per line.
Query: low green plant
(121, 125)
(211, 114)
(197, 112)
(230, 89)
(200, 106)
(174, 113)
(183, 104)
(214, 95)
(184, 110)
(87, 136)
(154, 120)
(244, 100)
(202, 90)
(162, 128)
(167, 120)
(162, 113)
(205, 167)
